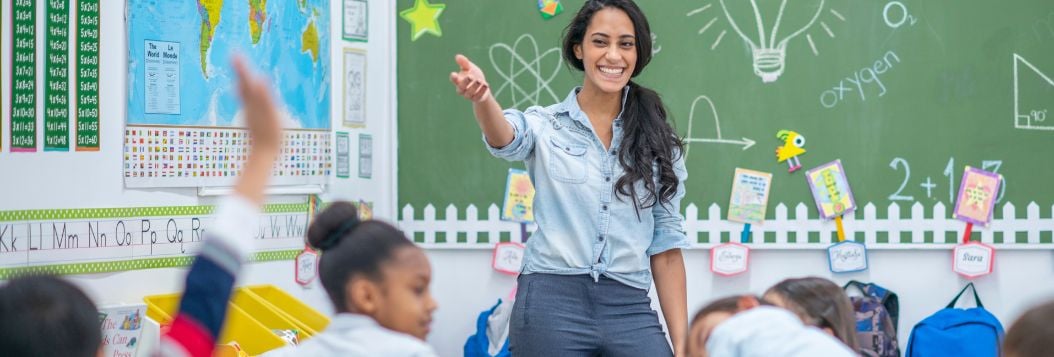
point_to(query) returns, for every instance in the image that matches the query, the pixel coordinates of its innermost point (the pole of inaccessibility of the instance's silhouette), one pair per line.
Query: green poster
(24, 77)
(87, 75)
(57, 76)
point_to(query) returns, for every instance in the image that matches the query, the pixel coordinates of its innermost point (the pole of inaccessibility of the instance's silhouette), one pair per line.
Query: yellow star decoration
(424, 18)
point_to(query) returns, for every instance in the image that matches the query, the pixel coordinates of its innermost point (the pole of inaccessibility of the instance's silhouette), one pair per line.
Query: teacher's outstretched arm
(472, 85)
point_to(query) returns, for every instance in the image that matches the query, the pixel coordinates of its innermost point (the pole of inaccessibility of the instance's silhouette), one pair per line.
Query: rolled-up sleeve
(669, 223)
(522, 144)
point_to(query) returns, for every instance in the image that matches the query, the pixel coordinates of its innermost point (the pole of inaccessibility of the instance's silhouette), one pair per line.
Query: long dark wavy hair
(649, 143)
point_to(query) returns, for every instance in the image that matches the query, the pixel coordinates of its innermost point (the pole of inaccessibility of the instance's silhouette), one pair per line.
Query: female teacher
(610, 177)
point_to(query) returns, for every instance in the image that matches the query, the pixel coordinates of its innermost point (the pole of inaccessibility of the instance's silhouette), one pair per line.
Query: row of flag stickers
(834, 199)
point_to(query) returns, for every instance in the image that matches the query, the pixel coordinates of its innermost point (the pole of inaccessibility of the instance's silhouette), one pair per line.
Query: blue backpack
(876, 319)
(957, 332)
(478, 345)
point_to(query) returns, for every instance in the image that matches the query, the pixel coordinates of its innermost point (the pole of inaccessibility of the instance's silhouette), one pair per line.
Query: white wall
(55, 180)
(464, 284)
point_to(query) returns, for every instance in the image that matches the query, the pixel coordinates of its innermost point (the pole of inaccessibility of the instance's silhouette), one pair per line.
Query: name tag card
(306, 267)
(973, 259)
(729, 259)
(847, 257)
(508, 257)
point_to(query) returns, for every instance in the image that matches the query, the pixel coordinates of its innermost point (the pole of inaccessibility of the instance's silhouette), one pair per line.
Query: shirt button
(604, 207)
(612, 152)
(600, 238)
(607, 179)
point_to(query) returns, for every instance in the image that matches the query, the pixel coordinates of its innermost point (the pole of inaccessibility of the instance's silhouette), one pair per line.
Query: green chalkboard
(906, 93)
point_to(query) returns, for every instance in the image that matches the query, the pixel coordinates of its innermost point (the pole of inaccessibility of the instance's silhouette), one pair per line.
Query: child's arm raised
(227, 245)
(264, 130)
(471, 84)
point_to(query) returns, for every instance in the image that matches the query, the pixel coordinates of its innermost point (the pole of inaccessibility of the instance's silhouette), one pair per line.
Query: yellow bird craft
(793, 146)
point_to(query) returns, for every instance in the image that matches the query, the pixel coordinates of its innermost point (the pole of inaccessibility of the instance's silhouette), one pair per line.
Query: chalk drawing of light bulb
(769, 45)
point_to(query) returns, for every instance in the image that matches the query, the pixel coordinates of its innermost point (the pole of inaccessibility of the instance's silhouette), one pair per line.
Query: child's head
(1032, 335)
(712, 315)
(371, 268)
(47, 316)
(818, 302)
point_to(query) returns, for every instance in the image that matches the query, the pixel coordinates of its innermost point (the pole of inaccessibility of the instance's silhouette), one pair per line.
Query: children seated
(47, 316)
(738, 326)
(377, 280)
(1032, 335)
(817, 302)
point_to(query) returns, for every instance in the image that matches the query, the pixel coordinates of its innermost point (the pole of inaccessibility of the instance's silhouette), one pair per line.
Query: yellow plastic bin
(267, 315)
(240, 327)
(309, 319)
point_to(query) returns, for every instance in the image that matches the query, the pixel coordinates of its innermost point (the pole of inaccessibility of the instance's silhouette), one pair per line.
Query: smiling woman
(609, 175)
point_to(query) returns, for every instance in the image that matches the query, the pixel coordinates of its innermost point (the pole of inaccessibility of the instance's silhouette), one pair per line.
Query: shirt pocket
(568, 162)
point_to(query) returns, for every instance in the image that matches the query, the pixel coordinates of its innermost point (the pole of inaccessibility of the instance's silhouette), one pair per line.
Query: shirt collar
(350, 321)
(570, 105)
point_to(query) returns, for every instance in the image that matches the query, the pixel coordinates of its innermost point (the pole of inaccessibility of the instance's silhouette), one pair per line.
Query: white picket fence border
(714, 225)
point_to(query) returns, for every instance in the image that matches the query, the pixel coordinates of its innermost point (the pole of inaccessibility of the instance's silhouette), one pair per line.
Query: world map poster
(184, 114)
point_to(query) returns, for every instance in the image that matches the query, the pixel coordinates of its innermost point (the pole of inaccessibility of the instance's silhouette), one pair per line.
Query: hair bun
(332, 224)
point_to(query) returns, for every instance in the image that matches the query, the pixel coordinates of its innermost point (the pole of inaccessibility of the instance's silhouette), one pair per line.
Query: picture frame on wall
(356, 23)
(354, 88)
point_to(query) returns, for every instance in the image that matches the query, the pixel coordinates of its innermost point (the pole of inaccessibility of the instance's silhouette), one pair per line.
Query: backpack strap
(976, 298)
(892, 304)
(856, 284)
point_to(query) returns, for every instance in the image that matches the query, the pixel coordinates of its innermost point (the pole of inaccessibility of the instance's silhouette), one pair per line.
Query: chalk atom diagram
(510, 63)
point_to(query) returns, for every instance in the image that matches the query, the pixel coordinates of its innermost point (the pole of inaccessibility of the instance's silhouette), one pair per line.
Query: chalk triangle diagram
(1033, 96)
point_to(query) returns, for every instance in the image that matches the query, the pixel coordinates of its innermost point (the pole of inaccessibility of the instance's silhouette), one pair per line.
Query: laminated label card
(977, 195)
(973, 259)
(519, 197)
(750, 196)
(507, 257)
(830, 189)
(847, 256)
(729, 259)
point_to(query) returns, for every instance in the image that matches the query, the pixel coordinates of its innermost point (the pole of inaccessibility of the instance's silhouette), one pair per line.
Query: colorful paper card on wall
(550, 8)
(365, 210)
(343, 155)
(729, 259)
(354, 88)
(306, 267)
(356, 20)
(977, 196)
(750, 196)
(122, 329)
(830, 189)
(519, 197)
(508, 257)
(973, 259)
(365, 156)
(847, 257)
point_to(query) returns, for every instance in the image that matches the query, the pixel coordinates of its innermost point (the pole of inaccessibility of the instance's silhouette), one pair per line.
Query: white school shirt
(354, 335)
(769, 331)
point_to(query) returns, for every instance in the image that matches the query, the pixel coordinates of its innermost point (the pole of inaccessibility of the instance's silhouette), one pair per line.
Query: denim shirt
(583, 227)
